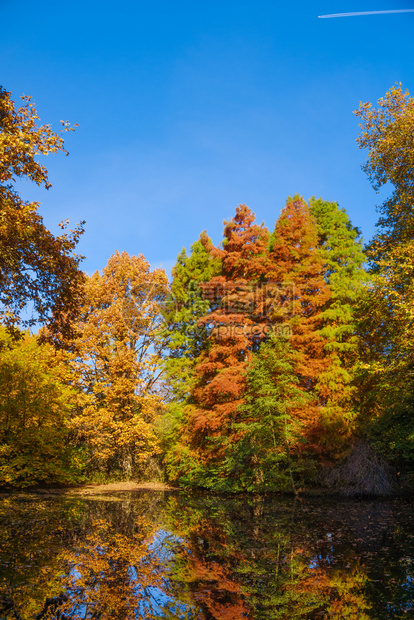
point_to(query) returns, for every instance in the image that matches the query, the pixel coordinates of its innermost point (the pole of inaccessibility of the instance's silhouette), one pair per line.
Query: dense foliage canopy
(38, 270)
(270, 358)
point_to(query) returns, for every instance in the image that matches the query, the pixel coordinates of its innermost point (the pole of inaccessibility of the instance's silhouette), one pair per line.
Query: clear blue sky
(188, 108)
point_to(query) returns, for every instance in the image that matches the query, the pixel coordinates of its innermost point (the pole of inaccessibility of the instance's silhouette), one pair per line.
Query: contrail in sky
(366, 13)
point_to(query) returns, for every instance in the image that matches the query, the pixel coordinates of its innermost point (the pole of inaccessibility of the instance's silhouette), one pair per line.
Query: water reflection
(201, 557)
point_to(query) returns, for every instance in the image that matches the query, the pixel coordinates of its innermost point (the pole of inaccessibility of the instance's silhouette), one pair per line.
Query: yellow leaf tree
(387, 310)
(115, 361)
(35, 410)
(37, 268)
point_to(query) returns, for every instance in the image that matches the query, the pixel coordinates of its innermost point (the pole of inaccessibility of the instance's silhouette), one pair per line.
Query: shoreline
(90, 489)
(93, 488)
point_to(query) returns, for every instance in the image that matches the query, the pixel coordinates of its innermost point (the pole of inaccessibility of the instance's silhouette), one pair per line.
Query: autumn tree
(386, 385)
(35, 412)
(297, 263)
(116, 362)
(387, 133)
(235, 325)
(386, 326)
(38, 270)
(316, 264)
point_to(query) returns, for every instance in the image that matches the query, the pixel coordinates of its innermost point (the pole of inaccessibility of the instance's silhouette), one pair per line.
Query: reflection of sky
(157, 602)
(151, 599)
(162, 551)
(162, 544)
(326, 558)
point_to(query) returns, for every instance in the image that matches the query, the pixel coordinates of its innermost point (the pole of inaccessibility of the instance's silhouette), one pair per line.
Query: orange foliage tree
(296, 261)
(115, 359)
(301, 284)
(235, 324)
(37, 268)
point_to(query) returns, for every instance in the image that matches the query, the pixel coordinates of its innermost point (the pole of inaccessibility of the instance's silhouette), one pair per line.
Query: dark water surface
(154, 554)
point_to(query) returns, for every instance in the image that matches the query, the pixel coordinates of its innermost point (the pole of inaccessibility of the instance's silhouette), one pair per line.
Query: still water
(155, 554)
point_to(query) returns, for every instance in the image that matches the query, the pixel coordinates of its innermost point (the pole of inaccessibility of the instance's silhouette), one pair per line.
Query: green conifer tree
(341, 249)
(186, 339)
(268, 429)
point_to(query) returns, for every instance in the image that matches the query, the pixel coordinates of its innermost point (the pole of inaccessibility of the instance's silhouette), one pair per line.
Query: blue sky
(187, 109)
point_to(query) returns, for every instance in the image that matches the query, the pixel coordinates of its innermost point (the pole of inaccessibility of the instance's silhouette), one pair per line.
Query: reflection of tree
(78, 559)
(32, 535)
(114, 576)
(289, 560)
(203, 557)
(203, 567)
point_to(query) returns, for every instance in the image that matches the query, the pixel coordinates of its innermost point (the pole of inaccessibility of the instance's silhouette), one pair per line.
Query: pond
(155, 554)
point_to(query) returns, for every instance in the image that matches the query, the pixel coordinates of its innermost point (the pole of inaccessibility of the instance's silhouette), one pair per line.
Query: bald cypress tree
(234, 325)
(296, 262)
